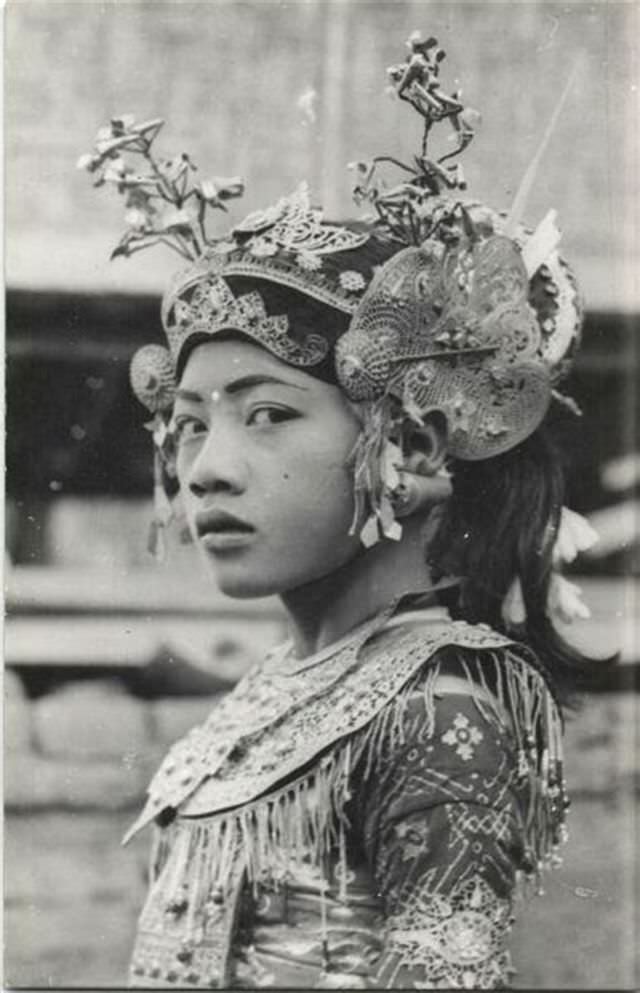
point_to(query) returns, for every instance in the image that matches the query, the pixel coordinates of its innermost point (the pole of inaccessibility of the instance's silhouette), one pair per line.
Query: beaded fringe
(518, 699)
(306, 819)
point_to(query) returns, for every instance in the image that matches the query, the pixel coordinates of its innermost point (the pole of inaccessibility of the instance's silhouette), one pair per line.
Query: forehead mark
(236, 386)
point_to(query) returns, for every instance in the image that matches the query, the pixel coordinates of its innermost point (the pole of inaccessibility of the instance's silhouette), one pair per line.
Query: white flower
(115, 171)
(221, 188)
(173, 217)
(86, 162)
(309, 261)
(352, 281)
(463, 737)
(575, 535)
(136, 218)
(565, 600)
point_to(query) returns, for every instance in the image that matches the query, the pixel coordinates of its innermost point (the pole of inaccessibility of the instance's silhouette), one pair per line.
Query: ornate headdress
(444, 303)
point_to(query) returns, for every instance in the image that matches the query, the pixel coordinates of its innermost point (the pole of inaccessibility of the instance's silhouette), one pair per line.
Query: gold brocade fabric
(389, 857)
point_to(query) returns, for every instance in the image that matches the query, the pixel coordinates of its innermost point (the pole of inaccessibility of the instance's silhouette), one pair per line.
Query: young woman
(355, 417)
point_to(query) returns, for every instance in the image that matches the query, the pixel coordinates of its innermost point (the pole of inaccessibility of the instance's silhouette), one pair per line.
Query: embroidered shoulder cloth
(358, 820)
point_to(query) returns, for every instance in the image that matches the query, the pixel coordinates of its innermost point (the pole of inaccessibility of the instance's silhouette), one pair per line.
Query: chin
(245, 587)
(235, 579)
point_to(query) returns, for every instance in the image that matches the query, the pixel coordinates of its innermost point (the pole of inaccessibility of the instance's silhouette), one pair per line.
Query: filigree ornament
(152, 377)
(455, 333)
(458, 939)
(293, 225)
(209, 307)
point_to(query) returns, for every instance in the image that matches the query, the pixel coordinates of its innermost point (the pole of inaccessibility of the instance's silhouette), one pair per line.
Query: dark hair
(501, 522)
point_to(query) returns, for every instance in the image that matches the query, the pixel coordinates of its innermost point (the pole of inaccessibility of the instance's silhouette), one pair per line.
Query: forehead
(216, 364)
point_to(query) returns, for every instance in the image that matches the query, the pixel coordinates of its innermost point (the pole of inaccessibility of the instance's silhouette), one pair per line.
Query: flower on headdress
(352, 281)
(262, 248)
(176, 218)
(88, 162)
(220, 188)
(141, 213)
(136, 218)
(309, 261)
(176, 169)
(105, 140)
(115, 171)
(166, 181)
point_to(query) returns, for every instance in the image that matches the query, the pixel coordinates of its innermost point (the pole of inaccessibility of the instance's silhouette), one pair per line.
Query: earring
(415, 491)
(404, 496)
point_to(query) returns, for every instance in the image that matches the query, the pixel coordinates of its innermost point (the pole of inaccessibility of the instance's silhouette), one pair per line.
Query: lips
(218, 529)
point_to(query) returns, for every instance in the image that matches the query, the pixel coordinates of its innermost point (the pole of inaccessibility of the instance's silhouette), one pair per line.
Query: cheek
(316, 490)
(183, 463)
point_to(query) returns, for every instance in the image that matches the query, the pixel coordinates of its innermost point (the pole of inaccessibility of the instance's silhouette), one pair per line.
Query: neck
(325, 610)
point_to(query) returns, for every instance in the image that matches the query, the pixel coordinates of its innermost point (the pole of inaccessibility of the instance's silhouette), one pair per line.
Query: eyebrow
(239, 386)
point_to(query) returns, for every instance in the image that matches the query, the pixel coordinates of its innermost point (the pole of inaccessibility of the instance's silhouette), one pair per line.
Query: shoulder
(477, 700)
(464, 658)
(465, 655)
(465, 683)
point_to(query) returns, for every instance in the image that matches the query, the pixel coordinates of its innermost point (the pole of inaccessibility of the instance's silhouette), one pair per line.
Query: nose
(219, 466)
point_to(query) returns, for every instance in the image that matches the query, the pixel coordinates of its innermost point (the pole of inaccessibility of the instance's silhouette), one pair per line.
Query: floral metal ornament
(452, 330)
(211, 308)
(293, 225)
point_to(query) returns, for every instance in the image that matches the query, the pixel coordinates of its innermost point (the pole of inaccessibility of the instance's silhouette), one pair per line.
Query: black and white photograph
(321, 495)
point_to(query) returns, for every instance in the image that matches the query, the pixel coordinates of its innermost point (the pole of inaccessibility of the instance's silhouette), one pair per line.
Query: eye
(267, 416)
(186, 428)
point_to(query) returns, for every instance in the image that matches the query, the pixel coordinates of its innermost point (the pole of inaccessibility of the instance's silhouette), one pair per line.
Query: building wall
(230, 78)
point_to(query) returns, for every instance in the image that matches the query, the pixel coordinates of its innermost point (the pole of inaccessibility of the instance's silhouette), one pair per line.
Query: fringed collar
(275, 722)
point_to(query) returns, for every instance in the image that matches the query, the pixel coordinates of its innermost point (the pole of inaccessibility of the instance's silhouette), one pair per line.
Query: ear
(423, 484)
(425, 446)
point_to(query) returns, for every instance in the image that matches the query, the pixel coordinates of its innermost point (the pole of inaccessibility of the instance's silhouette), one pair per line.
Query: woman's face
(263, 459)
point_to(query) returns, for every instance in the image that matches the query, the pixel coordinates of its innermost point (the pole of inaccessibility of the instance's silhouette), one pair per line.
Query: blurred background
(110, 657)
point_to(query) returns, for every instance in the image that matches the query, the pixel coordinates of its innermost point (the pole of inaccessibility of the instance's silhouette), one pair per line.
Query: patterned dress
(359, 819)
